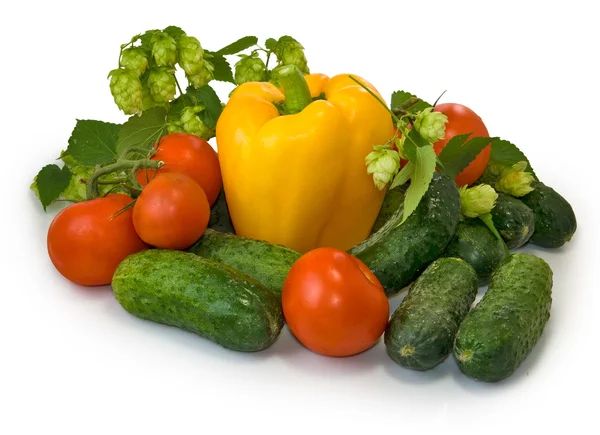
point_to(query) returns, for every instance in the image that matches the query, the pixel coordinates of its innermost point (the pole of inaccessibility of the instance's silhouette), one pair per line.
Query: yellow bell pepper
(300, 179)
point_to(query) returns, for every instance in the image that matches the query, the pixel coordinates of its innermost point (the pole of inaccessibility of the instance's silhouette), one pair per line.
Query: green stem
(178, 87)
(488, 221)
(268, 57)
(121, 165)
(140, 150)
(295, 88)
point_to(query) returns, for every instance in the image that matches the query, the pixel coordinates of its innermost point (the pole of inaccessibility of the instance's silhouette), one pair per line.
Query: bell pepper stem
(295, 88)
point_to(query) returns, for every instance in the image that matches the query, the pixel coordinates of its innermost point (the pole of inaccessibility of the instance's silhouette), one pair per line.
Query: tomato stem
(119, 166)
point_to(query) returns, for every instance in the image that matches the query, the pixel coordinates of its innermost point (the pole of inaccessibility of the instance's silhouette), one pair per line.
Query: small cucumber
(398, 253)
(201, 296)
(421, 331)
(514, 220)
(266, 263)
(474, 243)
(219, 215)
(498, 334)
(555, 221)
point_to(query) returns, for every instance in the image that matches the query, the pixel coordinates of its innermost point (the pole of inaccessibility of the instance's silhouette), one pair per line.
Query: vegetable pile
(319, 203)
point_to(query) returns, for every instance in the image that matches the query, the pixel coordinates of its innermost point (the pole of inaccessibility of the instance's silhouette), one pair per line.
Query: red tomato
(86, 243)
(333, 303)
(462, 120)
(172, 211)
(190, 155)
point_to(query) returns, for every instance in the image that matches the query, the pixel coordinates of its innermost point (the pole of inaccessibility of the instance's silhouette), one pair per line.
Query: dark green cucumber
(268, 264)
(201, 296)
(393, 201)
(555, 221)
(421, 331)
(219, 215)
(475, 243)
(396, 253)
(514, 220)
(498, 334)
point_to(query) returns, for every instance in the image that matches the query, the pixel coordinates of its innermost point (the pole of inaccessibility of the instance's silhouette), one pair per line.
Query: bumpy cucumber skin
(555, 221)
(475, 243)
(219, 216)
(393, 201)
(266, 263)
(421, 331)
(201, 296)
(514, 220)
(498, 334)
(396, 253)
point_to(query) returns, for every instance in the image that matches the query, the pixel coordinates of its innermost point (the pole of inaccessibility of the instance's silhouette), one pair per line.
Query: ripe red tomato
(190, 155)
(462, 120)
(172, 211)
(333, 303)
(86, 243)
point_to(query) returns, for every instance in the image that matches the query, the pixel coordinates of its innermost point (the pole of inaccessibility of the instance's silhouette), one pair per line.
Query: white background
(72, 361)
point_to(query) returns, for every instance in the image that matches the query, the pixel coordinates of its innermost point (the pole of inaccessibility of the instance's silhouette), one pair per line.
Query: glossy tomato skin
(86, 243)
(172, 211)
(462, 120)
(190, 155)
(333, 303)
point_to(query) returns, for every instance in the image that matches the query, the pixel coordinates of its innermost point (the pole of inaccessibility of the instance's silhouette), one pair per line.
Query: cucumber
(555, 221)
(514, 220)
(201, 296)
(219, 215)
(393, 201)
(398, 253)
(268, 264)
(421, 331)
(498, 334)
(475, 243)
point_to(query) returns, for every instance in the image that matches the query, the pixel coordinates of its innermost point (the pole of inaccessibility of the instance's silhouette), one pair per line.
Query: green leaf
(459, 152)
(270, 44)
(507, 154)
(93, 142)
(143, 131)
(222, 72)
(422, 173)
(489, 222)
(174, 32)
(207, 97)
(51, 181)
(400, 98)
(239, 45)
(402, 177)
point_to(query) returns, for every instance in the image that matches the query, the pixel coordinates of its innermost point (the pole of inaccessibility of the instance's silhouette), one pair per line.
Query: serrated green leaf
(460, 151)
(270, 44)
(239, 45)
(207, 97)
(50, 182)
(93, 142)
(400, 98)
(142, 131)
(174, 32)
(222, 71)
(422, 173)
(507, 154)
(403, 176)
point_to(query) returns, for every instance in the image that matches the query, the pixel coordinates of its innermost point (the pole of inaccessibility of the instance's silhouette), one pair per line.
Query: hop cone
(192, 123)
(161, 83)
(203, 77)
(126, 90)
(477, 201)
(384, 164)
(164, 49)
(134, 59)
(431, 125)
(190, 54)
(291, 52)
(250, 69)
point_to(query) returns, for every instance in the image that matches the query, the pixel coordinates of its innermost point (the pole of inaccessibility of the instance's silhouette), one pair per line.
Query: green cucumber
(514, 220)
(266, 263)
(219, 215)
(475, 243)
(498, 334)
(555, 221)
(393, 201)
(421, 331)
(398, 253)
(201, 296)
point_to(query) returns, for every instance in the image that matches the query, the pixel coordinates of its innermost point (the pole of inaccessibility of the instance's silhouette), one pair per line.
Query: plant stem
(178, 87)
(121, 165)
(295, 88)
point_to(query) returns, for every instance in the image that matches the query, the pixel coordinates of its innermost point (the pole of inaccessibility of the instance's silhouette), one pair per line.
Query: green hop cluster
(431, 125)
(190, 122)
(162, 84)
(203, 77)
(291, 52)
(250, 69)
(478, 200)
(134, 59)
(191, 54)
(515, 181)
(384, 163)
(164, 49)
(126, 89)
